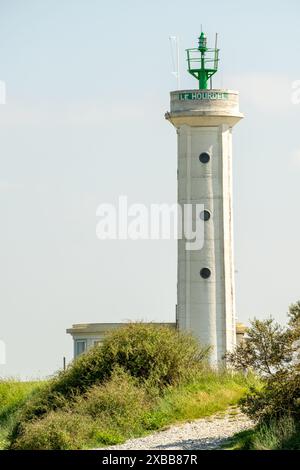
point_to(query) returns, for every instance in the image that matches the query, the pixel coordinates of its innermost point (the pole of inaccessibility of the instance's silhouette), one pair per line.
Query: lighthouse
(204, 119)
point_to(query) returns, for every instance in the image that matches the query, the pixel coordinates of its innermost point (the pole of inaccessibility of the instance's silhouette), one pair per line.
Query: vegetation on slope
(13, 395)
(142, 378)
(272, 351)
(277, 434)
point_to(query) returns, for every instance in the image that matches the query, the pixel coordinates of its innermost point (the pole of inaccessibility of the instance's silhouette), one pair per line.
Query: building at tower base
(87, 335)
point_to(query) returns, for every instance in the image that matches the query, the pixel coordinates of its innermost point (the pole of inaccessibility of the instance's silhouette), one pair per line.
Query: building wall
(93, 333)
(81, 333)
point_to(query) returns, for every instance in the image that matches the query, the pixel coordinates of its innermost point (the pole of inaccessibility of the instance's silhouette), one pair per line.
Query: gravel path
(201, 434)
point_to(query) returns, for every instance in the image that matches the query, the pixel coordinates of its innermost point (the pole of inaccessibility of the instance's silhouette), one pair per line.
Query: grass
(142, 378)
(207, 393)
(281, 434)
(13, 395)
(122, 408)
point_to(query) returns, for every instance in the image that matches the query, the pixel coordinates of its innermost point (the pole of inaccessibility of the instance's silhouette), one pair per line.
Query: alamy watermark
(154, 222)
(295, 97)
(2, 92)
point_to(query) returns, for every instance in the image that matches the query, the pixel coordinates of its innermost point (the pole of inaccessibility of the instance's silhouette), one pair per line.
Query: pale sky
(87, 85)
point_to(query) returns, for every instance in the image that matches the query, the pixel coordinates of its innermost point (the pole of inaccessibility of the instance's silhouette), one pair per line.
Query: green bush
(152, 355)
(279, 396)
(146, 351)
(120, 402)
(56, 431)
(273, 352)
(101, 416)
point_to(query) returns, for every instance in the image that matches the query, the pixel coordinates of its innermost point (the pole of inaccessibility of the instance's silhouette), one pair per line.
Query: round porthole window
(204, 157)
(205, 215)
(205, 273)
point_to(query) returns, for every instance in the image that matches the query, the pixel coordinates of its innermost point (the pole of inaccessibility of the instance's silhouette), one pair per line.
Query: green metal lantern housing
(203, 62)
(202, 41)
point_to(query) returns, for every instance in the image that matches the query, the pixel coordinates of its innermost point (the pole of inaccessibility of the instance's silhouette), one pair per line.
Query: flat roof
(90, 328)
(103, 327)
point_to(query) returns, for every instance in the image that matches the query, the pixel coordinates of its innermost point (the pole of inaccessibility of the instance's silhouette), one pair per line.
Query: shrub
(152, 355)
(103, 415)
(160, 355)
(268, 348)
(120, 402)
(56, 431)
(279, 396)
(273, 352)
(146, 351)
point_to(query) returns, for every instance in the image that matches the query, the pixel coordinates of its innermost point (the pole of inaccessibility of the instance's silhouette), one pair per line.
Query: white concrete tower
(204, 119)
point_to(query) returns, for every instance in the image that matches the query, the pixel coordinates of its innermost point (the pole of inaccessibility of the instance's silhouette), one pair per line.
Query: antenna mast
(174, 41)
